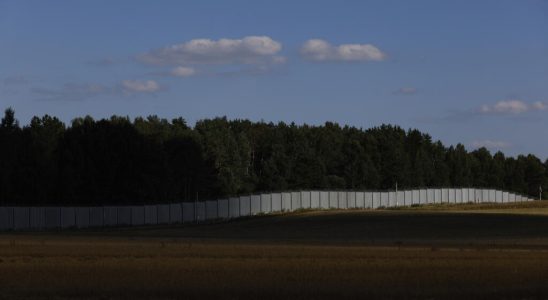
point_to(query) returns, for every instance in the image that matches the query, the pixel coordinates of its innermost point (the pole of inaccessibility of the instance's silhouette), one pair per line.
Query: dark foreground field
(438, 252)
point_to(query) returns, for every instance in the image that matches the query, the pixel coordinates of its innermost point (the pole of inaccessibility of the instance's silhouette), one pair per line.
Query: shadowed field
(428, 252)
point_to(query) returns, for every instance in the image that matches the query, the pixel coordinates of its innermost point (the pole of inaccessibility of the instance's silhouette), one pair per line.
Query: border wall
(57, 218)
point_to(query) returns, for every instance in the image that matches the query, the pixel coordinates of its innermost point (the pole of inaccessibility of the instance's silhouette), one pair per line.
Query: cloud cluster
(71, 92)
(182, 71)
(512, 107)
(321, 50)
(489, 144)
(247, 50)
(138, 86)
(223, 57)
(79, 92)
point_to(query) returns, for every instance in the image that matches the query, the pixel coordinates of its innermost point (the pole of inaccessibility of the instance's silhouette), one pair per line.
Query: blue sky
(474, 72)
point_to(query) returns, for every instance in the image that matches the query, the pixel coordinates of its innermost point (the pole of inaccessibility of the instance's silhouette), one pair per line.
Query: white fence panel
(175, 213)
(212, 207)
(360, 200)
(53, 217)
(306, 199)
(189, 212)
(437, 196)
(222, 210)
(464, 195)
(295, 201)
(234, 207)
(266, 203)
(505, 197)
(277, 202)
(498, 196)
(351, 199)
(368, 200)
(82, 217)
(163, 214)
(111, 216)
(384, 199)
(458, 195)
(151, 215)
(444, 195)
(492, 195)
(471, 195)
(333, 200)
(451, 195)
(286, 201)
(96, 216)
(255, 204)
(377, 200)
(422, 196)
(343, 201)
(21, 218)
(6, 218)
(324, 200)
(200, 210)
(315, 199)
(416, 197)
(138, 215)
(407, 198)
(124, 215)
(68, 217)
(392, 200)
(485, 195)
(430, 196)
(245, 206)
(37, 217)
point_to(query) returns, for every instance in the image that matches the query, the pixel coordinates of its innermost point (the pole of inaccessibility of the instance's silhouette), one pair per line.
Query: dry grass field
(472, 251)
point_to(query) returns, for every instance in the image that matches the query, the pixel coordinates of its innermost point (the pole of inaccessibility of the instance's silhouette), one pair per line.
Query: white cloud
(512, 107)
(321, 50)
(540, 105)
(247, 50)
(489, 144)
(83, 91)
(71, 92)
(138, 86)
(183, 71)
(406, 91)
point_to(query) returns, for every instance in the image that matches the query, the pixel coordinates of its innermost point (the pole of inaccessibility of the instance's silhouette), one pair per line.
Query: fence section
(56, 218)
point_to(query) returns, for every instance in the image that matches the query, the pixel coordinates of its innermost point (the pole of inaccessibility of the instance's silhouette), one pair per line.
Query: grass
(426, 252)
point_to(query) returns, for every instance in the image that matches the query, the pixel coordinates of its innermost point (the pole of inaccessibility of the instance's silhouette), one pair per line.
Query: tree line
(155, 160)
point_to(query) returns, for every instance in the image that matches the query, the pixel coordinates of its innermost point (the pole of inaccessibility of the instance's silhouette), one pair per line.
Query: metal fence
(52, 218)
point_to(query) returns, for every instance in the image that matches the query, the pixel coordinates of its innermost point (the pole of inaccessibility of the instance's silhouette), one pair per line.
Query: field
(473, 251)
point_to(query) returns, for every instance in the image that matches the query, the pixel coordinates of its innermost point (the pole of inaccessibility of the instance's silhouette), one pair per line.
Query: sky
(470, 72)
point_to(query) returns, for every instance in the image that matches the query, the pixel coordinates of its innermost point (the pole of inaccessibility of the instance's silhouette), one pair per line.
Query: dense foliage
(119, 161)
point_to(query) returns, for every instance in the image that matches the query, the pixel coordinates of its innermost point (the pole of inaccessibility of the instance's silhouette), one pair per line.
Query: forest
(155, 160)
